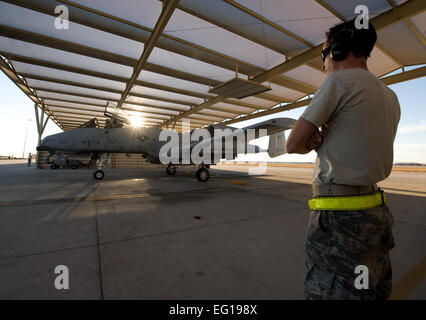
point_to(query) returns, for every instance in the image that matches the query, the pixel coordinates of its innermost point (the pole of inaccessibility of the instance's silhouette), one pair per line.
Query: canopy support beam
(381, 21)
(165, 15)
(397, 78)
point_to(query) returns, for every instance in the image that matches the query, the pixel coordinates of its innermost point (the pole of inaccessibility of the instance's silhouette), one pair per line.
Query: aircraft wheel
(54, 166)
(171, 171)
(202, 175)
(48, 158)
(98, 175)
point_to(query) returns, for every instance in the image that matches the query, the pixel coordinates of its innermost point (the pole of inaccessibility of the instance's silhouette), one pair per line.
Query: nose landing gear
(171, 170)
(99, 174)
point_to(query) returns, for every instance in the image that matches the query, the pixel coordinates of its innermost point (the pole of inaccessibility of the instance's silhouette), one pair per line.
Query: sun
(136, 121)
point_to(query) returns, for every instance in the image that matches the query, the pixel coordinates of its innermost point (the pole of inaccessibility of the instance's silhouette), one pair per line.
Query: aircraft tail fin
(277, 144)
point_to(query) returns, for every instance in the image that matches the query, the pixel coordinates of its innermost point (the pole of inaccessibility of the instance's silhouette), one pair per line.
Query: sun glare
(136, 121)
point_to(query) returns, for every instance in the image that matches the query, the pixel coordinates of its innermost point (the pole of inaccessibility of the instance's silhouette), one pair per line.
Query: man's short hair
(362, 42)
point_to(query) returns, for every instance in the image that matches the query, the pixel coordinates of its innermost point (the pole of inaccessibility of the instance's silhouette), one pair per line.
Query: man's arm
(305, 136)
(302, 133)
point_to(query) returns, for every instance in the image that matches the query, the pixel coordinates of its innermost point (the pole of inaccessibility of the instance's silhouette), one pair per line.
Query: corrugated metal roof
(161, 65)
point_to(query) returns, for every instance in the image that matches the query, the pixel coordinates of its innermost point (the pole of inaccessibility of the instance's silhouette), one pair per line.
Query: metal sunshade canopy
(159, 59)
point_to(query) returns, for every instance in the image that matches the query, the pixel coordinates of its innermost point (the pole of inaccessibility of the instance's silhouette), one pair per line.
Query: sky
(17, 117)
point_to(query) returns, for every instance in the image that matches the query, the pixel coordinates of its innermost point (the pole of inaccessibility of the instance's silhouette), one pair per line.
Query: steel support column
(41, 125)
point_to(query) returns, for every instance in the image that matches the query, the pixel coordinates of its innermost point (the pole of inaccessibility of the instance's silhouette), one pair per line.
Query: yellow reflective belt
(361, 202)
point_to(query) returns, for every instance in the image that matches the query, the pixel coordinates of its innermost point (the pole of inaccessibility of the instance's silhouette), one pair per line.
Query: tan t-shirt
(360, 116)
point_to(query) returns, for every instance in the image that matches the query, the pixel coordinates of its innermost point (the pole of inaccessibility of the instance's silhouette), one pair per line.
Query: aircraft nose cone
(44, 145)
(45, 141)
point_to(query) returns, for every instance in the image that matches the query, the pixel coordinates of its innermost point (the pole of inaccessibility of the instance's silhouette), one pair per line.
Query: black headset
(340, 44)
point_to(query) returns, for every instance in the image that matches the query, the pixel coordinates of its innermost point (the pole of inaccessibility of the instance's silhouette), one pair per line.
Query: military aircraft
(151, 144)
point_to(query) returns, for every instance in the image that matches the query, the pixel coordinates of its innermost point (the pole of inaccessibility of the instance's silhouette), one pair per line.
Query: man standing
(29, 159)
(350, 226)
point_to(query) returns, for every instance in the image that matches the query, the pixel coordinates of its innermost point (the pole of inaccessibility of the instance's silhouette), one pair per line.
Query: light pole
(25, 139)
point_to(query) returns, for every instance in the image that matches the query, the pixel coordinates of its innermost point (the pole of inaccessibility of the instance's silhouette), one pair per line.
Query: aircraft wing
(273, 125)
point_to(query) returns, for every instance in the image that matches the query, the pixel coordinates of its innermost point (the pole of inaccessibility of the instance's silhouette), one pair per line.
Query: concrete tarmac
(140, 234)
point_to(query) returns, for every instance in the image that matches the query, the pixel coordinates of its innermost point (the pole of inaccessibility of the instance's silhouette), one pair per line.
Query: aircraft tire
(48, 158)
(171, 171)
(202, 175)
(98, 175)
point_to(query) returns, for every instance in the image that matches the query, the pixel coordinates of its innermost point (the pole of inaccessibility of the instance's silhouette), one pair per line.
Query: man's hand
(315, 140)
(299, 136)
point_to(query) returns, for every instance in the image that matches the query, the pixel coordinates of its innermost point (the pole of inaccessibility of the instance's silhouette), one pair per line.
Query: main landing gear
(202, 174)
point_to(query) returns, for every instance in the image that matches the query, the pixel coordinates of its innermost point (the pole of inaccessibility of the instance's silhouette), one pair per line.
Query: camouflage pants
(337, 242)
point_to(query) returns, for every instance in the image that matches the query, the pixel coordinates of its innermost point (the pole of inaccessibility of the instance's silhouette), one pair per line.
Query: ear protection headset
(340, 45)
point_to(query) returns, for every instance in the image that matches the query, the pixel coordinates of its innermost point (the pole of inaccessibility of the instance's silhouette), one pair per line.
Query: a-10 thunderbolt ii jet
(202, 147)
